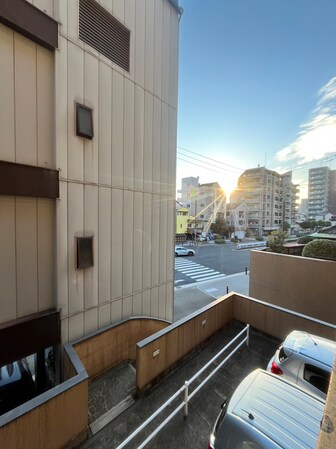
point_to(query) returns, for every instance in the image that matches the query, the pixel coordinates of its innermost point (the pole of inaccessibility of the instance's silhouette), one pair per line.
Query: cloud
(317, 137)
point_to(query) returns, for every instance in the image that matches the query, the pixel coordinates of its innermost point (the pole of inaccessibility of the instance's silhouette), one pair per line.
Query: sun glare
(228, 185)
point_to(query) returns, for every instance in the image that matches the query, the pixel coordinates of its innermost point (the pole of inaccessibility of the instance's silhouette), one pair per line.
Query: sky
(257, 86)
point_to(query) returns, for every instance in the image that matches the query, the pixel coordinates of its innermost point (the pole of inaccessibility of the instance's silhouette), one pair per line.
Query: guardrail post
(186, 398)
(248, 336)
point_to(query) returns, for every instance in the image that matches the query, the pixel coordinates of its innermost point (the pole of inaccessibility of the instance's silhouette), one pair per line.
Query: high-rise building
(321, 192)
(271, 199)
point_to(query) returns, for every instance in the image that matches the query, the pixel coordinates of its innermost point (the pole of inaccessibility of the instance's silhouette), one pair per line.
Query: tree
(285, 226)
(308, 224)
(220, 227)
(312, 224)
(276, 241)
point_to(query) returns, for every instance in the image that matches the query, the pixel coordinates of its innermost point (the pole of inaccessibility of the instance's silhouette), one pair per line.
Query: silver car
(306, 360)
(182, 251)
(268, 412)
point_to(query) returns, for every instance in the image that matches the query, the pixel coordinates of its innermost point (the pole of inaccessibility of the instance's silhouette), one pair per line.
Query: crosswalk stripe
(194, 270)
(204, 275)
(188, 264)
(217, 276)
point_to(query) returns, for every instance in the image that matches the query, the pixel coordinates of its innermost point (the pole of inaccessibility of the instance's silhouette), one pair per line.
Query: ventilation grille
(99, 29)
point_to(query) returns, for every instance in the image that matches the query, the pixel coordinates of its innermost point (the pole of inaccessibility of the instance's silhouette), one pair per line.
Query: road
(211, 261)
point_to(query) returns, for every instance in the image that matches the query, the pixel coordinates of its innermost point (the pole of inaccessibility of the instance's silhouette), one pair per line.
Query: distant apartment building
(204, 202)
(289, 199)
(321, 192)
(271, 199)
(187, 192)
(237, 215)
(303, 210)
(87, 167)
(208, 201)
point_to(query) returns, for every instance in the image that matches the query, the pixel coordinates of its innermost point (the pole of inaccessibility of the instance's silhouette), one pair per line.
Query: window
(317, 377)
(84, 121)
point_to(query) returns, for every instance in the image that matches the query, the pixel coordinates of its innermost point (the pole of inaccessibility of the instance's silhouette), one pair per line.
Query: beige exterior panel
(119, 186)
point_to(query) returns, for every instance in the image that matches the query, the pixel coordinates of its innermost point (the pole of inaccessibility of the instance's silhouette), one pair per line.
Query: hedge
(219, 241)
(320, 248)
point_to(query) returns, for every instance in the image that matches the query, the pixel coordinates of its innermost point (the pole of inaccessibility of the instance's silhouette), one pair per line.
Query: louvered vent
(99, 29)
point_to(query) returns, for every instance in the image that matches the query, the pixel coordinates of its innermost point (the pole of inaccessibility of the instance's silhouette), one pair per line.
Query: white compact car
(306, 360)
(182, 251)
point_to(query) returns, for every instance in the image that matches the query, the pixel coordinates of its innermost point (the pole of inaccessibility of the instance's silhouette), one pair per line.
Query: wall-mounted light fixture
(84, 121)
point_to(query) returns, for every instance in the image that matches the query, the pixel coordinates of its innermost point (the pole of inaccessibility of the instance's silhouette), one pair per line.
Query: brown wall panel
(276, 322)
(175, 342)
(51, 425)
(33, 23)
(28, 180)
(106, 349)
(302, 284)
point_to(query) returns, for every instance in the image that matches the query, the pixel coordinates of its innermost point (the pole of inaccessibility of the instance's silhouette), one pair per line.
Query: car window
(317, 377)
(282, 354)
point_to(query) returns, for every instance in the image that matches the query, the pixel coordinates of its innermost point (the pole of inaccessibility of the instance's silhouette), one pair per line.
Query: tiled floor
(110, 389)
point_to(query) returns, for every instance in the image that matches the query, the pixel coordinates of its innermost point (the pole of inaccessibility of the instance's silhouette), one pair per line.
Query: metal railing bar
(217, 355)
(215, 370)
(148, 420)
(157, 430)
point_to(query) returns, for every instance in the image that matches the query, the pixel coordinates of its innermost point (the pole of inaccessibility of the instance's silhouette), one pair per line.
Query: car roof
(279, 409)
(312, 346)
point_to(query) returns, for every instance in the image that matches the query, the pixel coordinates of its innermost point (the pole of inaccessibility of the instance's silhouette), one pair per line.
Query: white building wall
(119, 187)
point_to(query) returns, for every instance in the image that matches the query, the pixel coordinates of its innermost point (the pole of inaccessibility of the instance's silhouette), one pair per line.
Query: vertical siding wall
(27, 237)
(119, 187)
(297, 283)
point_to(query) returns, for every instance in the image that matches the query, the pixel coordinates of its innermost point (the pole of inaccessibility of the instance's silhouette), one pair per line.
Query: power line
(228, 167)
(208, 163)
(202, 166)
(213, 160)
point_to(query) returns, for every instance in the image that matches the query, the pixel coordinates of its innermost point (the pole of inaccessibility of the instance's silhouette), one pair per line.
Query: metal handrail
(185, 388)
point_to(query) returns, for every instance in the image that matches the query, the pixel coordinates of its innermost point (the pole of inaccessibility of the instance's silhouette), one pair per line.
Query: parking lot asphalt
(191, 432)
